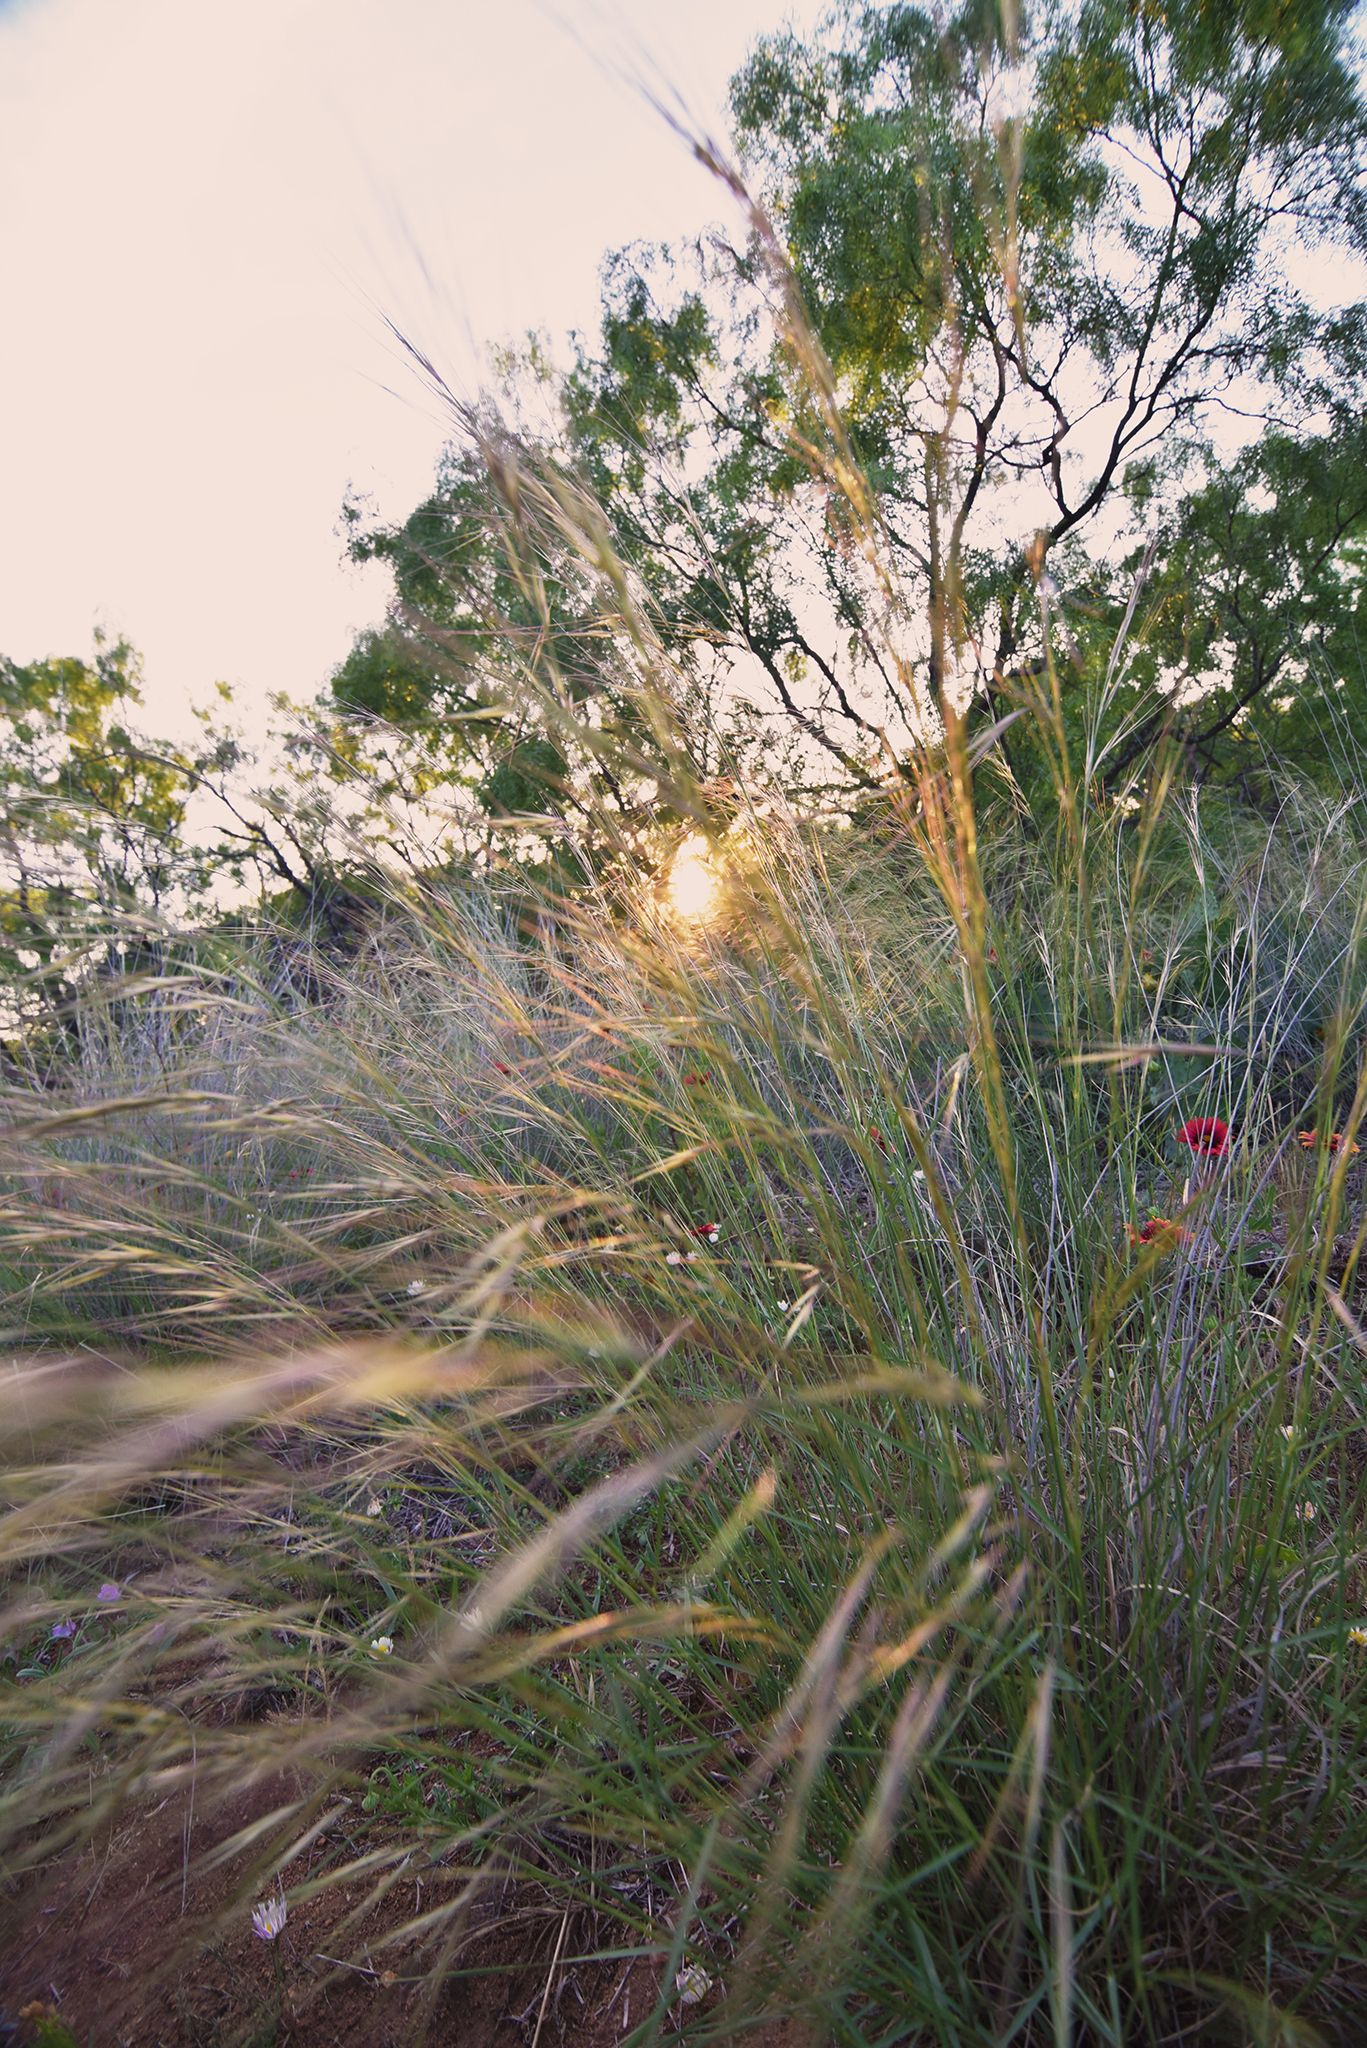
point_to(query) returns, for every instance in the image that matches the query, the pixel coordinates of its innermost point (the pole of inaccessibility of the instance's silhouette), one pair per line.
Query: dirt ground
(128, 1945)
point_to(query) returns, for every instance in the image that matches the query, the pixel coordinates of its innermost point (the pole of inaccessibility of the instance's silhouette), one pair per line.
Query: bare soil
(133, 1941)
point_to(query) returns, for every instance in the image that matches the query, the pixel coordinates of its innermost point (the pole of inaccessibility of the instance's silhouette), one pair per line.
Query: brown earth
(132, 1942)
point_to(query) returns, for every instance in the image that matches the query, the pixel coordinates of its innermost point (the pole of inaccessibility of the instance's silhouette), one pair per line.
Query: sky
(207, 209)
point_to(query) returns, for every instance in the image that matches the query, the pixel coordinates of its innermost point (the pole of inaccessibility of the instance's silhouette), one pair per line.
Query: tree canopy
(91, 822)
(1057, 287)
(1056, 262)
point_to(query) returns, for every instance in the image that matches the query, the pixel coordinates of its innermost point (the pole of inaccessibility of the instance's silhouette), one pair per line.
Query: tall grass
(921, 1610)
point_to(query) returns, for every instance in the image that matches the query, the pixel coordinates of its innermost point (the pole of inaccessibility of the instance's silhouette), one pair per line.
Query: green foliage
(115, 843)
(1044, 259)
(50, 2030)
(920, 1567)
(490, 599)
(757, 1437)
(813, 1562)
(92, 817)
(1262, 592)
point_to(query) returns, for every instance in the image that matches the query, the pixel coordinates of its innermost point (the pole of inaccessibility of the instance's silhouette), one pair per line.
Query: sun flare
(693, 885)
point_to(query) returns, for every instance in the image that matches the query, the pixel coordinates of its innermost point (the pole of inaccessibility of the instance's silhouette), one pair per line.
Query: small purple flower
(63, 1631)
(108, 1592)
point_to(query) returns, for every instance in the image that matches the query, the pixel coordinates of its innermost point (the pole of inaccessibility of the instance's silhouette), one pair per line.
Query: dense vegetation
(720, 1324)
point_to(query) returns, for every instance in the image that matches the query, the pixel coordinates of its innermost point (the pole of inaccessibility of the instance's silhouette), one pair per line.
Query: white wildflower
(383, 1646)
(268, 1919)
(692, 1984)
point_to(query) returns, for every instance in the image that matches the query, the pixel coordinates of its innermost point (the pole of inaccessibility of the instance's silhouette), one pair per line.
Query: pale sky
(206, 206)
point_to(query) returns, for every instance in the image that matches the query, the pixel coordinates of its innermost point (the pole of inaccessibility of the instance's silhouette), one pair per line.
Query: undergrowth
(760, 1431)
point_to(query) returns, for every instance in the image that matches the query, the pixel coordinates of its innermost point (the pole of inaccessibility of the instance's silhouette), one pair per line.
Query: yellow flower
(1358, 1638)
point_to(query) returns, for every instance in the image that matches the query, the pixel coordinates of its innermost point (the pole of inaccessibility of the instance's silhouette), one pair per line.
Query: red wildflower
(697, 1080)
(499, 1068)
(1334, 1142)
(709, 1231)
(878, 1137)
(1206, 1135)
(1158, 1227)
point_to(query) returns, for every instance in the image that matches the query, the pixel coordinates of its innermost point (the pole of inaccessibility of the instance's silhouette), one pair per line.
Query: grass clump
(919, 1609)
(750, 1442)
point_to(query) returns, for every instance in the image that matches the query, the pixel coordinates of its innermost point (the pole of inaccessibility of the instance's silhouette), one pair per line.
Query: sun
(693, 885)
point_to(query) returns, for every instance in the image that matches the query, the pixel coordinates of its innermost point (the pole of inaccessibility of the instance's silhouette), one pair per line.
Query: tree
(1259, 605)
(91, 824)
(1021, 298)
(1048, 261)
(113, 840)
(516, 645)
